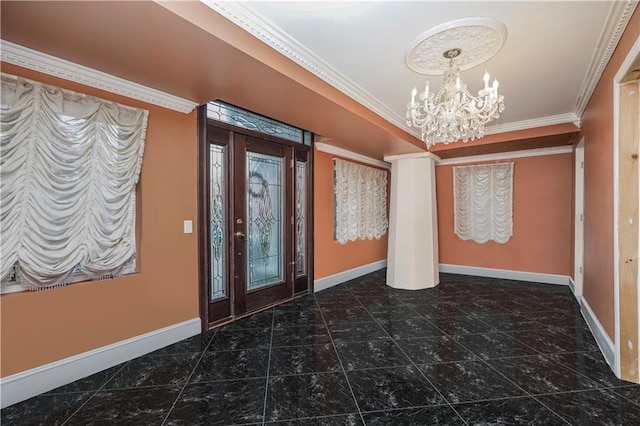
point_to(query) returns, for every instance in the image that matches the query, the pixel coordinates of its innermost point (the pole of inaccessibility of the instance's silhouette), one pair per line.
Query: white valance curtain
(69, 167)
(483, 202)
(361, 202)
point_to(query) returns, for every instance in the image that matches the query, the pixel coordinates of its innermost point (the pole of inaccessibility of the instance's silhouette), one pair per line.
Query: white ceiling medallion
(479, 38)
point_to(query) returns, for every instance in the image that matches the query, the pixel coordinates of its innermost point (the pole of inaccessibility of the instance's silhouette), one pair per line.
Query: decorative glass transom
(227, 113)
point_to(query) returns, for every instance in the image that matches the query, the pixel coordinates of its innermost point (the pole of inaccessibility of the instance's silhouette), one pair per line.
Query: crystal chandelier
(452, 113)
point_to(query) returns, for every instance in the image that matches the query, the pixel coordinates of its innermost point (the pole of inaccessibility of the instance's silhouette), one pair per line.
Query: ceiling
(335, 68)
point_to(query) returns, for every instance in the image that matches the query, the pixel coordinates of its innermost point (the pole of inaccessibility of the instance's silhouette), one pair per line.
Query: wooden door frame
(202, 207)
(626, 297)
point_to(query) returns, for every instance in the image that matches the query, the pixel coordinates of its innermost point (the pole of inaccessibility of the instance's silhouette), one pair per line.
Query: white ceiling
(552, 55)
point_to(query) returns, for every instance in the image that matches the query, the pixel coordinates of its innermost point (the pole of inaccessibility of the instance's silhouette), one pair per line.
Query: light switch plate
(188, 227)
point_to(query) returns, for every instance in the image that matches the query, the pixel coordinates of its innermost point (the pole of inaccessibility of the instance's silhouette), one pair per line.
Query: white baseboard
(606, 345)
(505, 274)
(335, 279)
(26, 384)
(572, 285)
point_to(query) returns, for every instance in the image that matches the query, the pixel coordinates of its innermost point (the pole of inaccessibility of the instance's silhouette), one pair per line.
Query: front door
(255, 222)
(262, 223)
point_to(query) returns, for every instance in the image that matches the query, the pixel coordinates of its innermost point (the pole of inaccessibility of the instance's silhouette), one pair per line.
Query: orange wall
(597, 128)
(330, 256)
(42, 327)
(542, 220)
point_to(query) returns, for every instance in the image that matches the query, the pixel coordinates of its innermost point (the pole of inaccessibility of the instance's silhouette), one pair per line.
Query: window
(360, 202)
(69, 165)
(483, 202)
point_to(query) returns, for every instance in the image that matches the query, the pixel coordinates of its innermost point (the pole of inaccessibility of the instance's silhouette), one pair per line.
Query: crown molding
(32, 59)
(263, 29)
(269, 33)
(330, 149)
(427, 154)
(616, 22)
(533, 123)
(536, 152)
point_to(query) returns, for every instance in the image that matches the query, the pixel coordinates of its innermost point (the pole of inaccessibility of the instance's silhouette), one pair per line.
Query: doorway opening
(626, 205)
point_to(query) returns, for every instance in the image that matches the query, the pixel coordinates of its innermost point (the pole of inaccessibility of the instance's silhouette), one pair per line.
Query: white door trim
(578, 247)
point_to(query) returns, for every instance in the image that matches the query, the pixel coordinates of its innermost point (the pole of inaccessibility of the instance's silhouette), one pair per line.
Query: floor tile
(436, 415)
(548, 341)
(233, 340)
(391, 313)
(227, 365)
(195, 344)
(590, 364)
(632, 393)
(304, 359)
(598, 407)
(537, 374)
(357, 332)
(143, 406)
(90, 383)
(297, 318)
(443, 309)
(410, 328)
(461, 325)
(581, 333)
(369, 290)
(47, 409)
(373, 354)
(299, 336)
(352, 419)
(154, 370)
(220, 403)
(469, 381)
(513, 411)
(346, 315)
(262, 319)
(503, 351)
(494, 345)
(301, 303)
(389, 388)
(380, 301)
(428, 350)
(510, 322)
(308, 395)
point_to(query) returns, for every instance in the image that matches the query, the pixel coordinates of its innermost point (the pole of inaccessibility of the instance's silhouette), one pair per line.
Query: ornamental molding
(32, 59)
(533, 123)
(259, 27)
(330, 149)
(616, 23)
(536, 152)
(282, 42)
(478, 38)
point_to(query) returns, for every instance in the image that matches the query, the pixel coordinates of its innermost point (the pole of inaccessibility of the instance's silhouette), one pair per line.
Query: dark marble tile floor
(471, 351)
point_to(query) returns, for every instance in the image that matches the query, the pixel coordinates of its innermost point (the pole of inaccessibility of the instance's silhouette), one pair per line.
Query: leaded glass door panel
(215, 219)
(263, 187)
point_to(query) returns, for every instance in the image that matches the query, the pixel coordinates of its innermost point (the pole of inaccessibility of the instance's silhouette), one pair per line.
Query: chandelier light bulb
(486, 80)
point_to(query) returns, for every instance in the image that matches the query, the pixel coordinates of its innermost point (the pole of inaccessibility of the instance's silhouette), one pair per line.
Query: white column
(412, 259)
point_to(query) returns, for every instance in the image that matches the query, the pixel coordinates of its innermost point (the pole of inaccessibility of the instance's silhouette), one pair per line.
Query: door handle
(240, 234)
